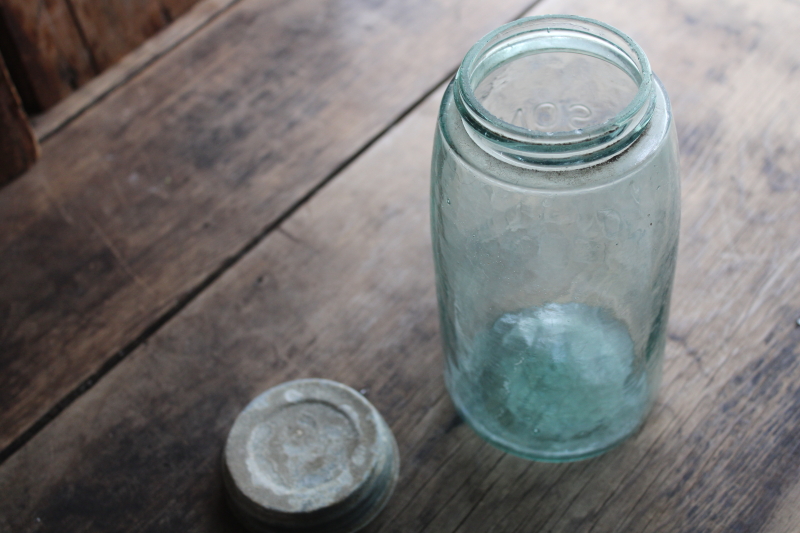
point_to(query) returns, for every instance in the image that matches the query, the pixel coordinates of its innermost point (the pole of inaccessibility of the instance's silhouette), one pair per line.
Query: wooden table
(246, 202)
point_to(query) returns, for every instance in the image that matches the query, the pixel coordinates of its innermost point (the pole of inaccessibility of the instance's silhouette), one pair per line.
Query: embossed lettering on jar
(555, 212)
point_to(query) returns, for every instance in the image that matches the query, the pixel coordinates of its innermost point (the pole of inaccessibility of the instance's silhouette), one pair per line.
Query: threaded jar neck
(555, 92)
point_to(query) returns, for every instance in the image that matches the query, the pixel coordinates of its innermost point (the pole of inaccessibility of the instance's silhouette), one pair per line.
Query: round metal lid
(309, 455)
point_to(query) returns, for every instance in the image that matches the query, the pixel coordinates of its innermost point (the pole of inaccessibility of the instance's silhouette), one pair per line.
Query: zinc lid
(309, 455)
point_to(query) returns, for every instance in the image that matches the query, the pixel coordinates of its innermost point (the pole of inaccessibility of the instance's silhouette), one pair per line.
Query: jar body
(554, 286)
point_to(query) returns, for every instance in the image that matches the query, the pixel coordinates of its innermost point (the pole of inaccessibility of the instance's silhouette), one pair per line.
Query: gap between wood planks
(106, 85)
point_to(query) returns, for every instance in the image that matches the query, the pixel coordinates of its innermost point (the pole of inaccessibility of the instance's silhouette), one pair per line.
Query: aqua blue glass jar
(555, 213)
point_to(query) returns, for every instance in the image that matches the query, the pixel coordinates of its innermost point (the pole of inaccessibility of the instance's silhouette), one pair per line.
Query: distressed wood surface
(113, 28)
(130, 65)
(343, 289)
(142, 201)
(43, 39)
(18, 146)
(57, 46)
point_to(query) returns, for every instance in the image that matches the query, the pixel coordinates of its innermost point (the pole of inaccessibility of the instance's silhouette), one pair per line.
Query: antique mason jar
(555, 210)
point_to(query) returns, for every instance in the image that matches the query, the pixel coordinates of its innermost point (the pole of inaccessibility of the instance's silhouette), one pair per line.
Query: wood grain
(318, 297)
(18, 146)
(131, 64)
(148, 196)
(62, 44)
(344, 290)
(52, 56)
(175, 8)
(114, 28)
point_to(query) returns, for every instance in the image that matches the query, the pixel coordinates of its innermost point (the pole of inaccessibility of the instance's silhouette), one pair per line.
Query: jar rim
(547, 149)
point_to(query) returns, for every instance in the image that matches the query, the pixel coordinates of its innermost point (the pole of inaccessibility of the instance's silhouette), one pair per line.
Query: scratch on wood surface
(295, 239)
(425, 483)
(156, 190)
(742, 193)
(567, 469)
(118, 192)
(572, 501)
(729, 234)
(701, 154)
(515, 483)
(639, 499)
(555, 483)
(455, 493)
(483, 495)
(48, 192)
(681, 340)
(117, 254)
(763, 291)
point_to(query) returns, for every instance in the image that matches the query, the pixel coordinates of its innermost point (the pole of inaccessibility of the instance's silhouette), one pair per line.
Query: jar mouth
(574, 147)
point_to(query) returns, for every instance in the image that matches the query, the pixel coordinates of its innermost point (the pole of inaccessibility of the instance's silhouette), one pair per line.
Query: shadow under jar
(555, 213)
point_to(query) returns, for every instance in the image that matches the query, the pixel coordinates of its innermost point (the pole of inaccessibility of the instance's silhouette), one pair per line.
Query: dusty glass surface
(555, 215)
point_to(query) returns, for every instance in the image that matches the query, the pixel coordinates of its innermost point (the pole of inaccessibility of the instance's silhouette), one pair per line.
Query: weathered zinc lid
(309, 455)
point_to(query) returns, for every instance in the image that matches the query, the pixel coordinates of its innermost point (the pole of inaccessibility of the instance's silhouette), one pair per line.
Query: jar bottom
(533, 454)
(554, 383)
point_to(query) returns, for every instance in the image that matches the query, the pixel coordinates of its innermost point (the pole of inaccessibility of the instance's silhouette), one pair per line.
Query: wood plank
(114, 28)
(175, 8)
(131, 64)
(49, 47)
(144, 199)
(344, 290)
(18, 146)
(42, 34)
(345, 325)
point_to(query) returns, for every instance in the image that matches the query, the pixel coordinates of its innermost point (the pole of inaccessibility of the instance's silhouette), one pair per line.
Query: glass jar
(555, 212)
